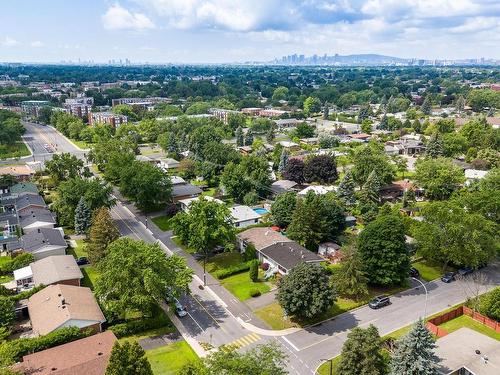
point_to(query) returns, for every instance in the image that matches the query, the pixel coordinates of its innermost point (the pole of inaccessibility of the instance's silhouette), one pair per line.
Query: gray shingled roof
(27, 200)
(36, 214)
(182, 190)
(42, 237)
(289, 254)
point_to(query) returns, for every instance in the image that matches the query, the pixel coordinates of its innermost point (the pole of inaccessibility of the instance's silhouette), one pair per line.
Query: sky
(218, 31)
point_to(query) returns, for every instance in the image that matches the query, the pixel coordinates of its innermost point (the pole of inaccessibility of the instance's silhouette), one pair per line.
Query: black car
(448, 277)
(379, 302)
(465, 271)
(82, 261)
(414, 272)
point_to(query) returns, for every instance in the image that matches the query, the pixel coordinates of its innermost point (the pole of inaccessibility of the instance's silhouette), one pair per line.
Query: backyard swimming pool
(260, 210)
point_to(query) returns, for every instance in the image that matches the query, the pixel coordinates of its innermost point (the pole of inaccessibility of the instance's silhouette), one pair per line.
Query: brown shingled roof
(262, 237)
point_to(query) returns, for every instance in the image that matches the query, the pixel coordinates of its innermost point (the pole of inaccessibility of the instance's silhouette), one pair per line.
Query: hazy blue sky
(241, 30)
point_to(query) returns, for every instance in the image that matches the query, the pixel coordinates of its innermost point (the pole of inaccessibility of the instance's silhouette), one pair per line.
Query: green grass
(324, 369)
(4, 260)
(150, 333)
(15, 150)
(82, 144)
(209, 192)
(178, 242)
(79, 250)
(6, 278)
(90, 275)
(428, 271)
(467, 321)
(240, 285)
(169, 359)
(224, 260)
(162, 222)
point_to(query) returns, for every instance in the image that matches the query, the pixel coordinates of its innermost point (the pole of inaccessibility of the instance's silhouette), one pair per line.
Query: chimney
(63, 302)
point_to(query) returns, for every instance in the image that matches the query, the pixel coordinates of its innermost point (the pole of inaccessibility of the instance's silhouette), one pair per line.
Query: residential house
(289, 146)
(309, 141)
(185, 203)
(331, 251)
(472, 175)
(244, 216)
(259, 237)
(317, 189)
(395, 190)
(360, 137)
(404, 147)
(87, 356)
(185, 191)
(58, 306)
(284, 256)
(35, 218)
(19, 189)
(282, 186)
(44, 242)
(56, 269)
(19, 172)
(287, 123)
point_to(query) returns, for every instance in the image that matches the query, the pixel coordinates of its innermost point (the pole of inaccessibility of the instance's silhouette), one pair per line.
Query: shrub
(254, 293)
(171, 210)
(490, 304)
(254, 270)
(250, 252)
(22, 260)
(265, 266)
(132, 327)
(12, 351)
(233, 270)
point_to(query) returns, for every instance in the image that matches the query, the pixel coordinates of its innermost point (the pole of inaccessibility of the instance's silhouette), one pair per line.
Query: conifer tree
(239, 137)
(426, 107)
(326, 111)
(460, 104)
(283, 161)
(83, 217)
(414, 353)
(346, 190)
(128, 358)
(249, 137)
(371, 189)
(103, 231)
(384, 123)
(435, 147)
(349, 279)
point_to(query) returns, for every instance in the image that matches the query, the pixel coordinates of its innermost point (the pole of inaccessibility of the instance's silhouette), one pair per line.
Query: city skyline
(221, 31)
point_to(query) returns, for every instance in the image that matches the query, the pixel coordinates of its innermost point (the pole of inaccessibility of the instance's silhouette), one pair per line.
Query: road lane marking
(290, 343)
(245, 340)
(209, 314)
(194, 320)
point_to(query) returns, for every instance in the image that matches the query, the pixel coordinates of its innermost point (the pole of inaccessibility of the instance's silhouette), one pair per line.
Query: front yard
(169, 359)
(428, 270)
(90, 273)
(163, 222)
(15, 150)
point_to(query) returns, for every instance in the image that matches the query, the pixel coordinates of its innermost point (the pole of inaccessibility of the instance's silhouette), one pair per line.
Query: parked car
(218, 250)
(180, 310)
(465, 271)
(379, 302)
(448, 277)
(82, 261)
(198, 256)
(414, 272)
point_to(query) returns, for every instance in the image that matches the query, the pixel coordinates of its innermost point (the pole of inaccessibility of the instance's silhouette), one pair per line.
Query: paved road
(213, 313)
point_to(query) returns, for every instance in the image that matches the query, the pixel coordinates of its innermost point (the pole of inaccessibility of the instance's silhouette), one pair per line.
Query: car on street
(379, 301)
(464, 271)
(414, 272)
(448, 277)
(82, 261)
(180, 310)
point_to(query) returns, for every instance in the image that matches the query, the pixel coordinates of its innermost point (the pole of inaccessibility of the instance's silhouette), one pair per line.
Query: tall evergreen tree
(83, 217)
(271, 134)
(371, 189)
(384, 123)
(350, 279)
(426, 106)
(346, 190)
(361, 353)
(435, 147)
(128, 358)
(414, 353)
(249, 137)
(460, 104)
(283, 161)
(326, 111)
(103, 231)
(239, 137)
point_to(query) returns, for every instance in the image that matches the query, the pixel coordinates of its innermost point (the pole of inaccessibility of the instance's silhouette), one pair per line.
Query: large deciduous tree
(294, 170)
(383, 252)
(371, 158)
(306, 291)
(65, 166)
(135, 276)
(439, 177)
(321, 168)
(128, 358)
(283, 208)
(414, 354)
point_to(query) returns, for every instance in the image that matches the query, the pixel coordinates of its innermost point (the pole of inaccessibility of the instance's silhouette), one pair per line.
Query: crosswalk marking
(245, 340)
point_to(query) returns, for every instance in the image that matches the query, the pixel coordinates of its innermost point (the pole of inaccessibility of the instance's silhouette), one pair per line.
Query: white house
(243, 216)
(474, 175)
(185, 203)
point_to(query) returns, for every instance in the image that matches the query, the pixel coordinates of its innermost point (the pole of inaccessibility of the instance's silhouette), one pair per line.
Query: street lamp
(331, 364)
(426, 294)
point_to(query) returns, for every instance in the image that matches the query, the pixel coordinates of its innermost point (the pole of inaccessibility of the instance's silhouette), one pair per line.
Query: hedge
(140, 325)
(233, 270)
(13, 351)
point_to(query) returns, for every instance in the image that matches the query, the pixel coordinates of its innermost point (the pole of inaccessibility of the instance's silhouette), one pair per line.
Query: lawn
(6, 278)
(16, 150)
(209, 192)
(82, 144)
(240, 285)
(224, 260)
(79, 250)
(169, 359)
(150, 333)
(162, 222)
(324, 369)
(467, 321)
(4, 260)
(90, 275)
(178, 242)
(428, 270)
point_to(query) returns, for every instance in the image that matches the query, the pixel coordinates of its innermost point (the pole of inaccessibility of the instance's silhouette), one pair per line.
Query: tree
(283, 208)
(321, 168)
(306, 291)
(350, 279)
(128, 358)
(490, 304)
(294, 170)
(135, 276)
(235, 182)
(83, 217)
(452, 234)
(7, 315)
(254, 270)
(271, 134)
(102, 232)
(11, 128)
(283, 161)
(439, 177)
(460, 104)
(426, 107)
(361, 353)
(147, 185)
(326, 111)
(312, 105)
(267, 359)
(384, 123)
(201, 136)
(303, 130)
(483, 98)
(239, 137)
(371, 189)
(249, 137)
(280, 93)
(346, 190)
(65, 166)
(366, 126)
(414, 354)
(308, 226)
(435, 148)
(371, 158)
(383, 252)
(454, 144)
